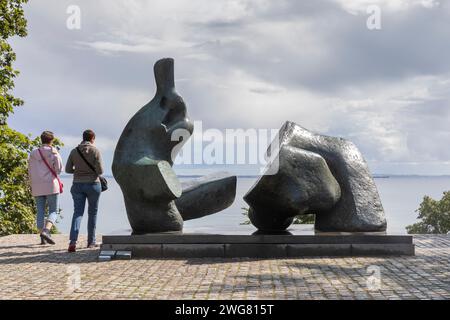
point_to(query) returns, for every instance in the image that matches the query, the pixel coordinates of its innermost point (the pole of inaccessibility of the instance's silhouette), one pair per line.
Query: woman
(44, 166)
(85, 162)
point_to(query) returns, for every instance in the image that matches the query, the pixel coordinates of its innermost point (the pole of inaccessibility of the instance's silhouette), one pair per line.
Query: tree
(434, 216)
(12, 23)
(17, 210)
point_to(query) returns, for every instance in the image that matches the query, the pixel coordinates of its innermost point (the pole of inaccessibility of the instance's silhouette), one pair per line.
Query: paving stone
(31, 271)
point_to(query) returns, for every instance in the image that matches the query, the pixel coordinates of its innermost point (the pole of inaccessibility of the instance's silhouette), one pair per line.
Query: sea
(400, 196)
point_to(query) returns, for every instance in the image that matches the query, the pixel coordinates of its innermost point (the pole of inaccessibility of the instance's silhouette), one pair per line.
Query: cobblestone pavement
(32, 271)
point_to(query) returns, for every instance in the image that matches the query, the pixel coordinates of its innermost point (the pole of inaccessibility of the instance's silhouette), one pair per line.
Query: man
(44, 166)
(85, 162)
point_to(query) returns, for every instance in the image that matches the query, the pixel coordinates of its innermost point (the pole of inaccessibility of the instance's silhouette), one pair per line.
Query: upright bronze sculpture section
(320, 175)
(143, 162)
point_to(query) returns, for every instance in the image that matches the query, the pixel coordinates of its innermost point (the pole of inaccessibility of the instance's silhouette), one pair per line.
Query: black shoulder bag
(103, 181)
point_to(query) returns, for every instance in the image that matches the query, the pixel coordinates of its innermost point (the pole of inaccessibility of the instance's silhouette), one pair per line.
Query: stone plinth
(294, 243)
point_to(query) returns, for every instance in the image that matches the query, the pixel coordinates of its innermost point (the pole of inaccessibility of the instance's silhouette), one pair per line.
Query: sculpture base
(297, 242)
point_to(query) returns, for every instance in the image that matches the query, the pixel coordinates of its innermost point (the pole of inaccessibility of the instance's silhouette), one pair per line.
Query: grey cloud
(411, 43)
(285, 49)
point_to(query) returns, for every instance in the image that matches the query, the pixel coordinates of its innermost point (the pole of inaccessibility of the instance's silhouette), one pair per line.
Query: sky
(247, 64)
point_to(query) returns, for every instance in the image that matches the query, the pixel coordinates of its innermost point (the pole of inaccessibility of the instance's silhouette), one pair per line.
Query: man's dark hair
(47, 137)
(88, 135)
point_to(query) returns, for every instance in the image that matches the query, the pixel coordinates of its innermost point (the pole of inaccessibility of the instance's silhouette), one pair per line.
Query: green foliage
(17, 210)
(245, 213)
(305, 219)
(12, 23)
(300, 219)
(434, 216)
(17, 207)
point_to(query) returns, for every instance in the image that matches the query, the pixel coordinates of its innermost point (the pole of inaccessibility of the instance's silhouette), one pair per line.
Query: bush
(17, 210)
(17, 207)
(434, 216)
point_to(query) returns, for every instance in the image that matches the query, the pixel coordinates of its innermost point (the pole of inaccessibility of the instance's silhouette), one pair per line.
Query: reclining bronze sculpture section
(154, 197)
(320, 175)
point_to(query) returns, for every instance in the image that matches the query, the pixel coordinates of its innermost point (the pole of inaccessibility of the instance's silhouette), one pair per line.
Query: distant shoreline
(375, 176)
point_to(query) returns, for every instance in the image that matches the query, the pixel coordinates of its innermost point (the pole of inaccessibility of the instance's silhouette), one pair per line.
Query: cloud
(136, 44)
(360, 6)
(247, 64)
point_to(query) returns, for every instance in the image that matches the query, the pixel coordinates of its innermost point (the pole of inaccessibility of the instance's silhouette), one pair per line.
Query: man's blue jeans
(52, 202)
(80, 192)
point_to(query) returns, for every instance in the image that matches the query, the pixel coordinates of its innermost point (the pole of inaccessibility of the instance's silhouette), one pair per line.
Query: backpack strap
(52, 171)
(89, 165)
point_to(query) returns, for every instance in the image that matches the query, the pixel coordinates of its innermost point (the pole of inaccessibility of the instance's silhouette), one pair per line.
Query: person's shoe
(42, 240)
(93, 245)
(45, 235)
(72, 248)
